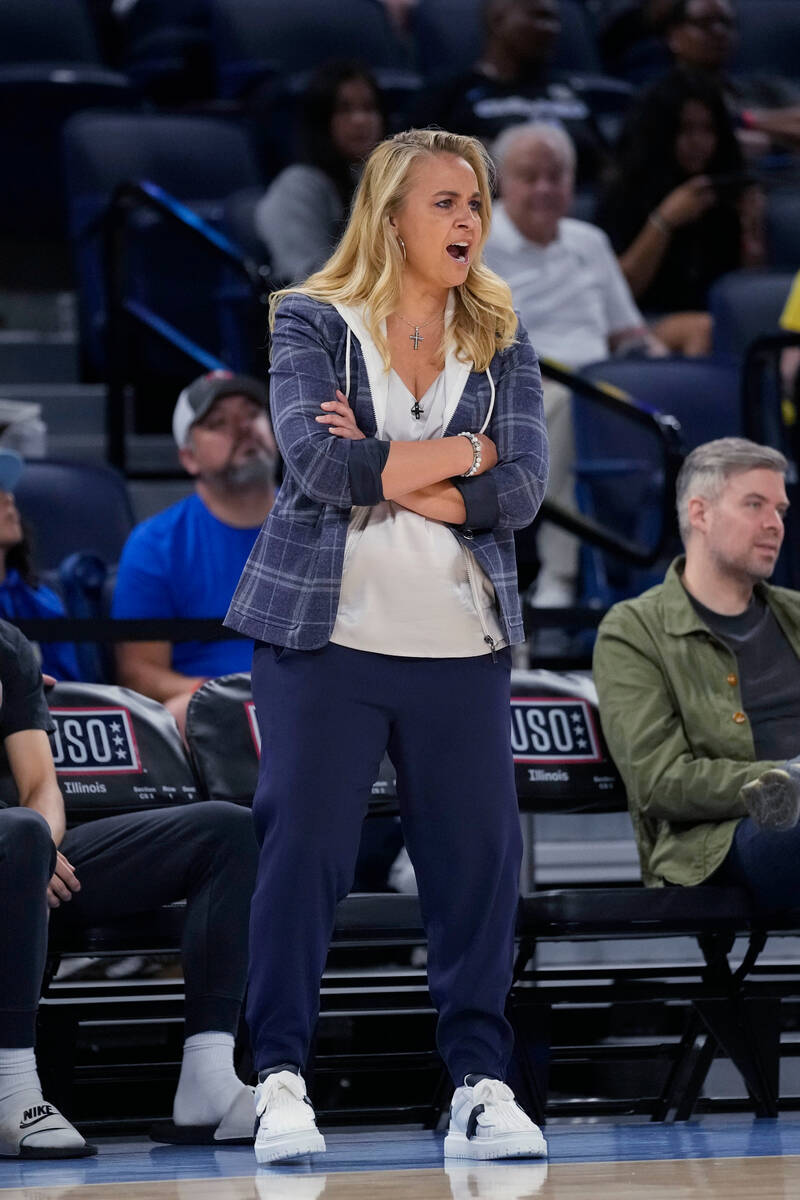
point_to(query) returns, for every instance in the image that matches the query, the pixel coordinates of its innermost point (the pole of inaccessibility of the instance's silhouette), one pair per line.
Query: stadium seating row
(116, 752)
(253, 38)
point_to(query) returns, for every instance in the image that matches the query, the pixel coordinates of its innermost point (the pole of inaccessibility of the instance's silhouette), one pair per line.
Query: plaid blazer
(289, 590)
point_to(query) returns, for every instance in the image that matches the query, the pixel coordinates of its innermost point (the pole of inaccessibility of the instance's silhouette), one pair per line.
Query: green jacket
(671, 710)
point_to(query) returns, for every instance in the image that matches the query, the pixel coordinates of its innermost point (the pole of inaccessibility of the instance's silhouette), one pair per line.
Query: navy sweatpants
(326, 718)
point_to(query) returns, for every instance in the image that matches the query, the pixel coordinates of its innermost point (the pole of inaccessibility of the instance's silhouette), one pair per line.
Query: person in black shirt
(678, 206)
(513, 82)
(204, 853)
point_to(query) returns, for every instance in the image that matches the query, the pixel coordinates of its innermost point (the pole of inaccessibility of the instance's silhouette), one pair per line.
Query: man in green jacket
(699, 687)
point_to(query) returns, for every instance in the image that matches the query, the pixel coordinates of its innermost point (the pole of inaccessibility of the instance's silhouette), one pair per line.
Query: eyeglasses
(709, 23)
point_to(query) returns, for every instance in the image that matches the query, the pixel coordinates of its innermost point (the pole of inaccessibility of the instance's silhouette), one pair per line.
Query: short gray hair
(707, 469)
(549, 134)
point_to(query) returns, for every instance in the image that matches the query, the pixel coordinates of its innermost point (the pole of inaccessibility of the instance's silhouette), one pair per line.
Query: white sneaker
(287, 1127)
(487, 1122)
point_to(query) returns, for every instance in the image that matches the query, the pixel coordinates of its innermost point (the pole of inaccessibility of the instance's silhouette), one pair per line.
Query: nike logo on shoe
(32, 1116)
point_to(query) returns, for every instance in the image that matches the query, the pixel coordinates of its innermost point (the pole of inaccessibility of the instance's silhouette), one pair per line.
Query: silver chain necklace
(416, 337)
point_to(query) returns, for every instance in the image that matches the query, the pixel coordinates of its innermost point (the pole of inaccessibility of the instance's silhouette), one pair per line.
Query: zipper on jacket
(487, 637)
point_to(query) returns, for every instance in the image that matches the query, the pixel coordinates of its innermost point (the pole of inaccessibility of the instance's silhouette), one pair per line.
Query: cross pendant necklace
(416, 337)
(416, 411)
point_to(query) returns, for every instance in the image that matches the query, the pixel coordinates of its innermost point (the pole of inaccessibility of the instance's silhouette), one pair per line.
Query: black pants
(203, 853)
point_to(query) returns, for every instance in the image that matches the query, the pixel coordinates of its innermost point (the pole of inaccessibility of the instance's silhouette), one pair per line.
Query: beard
(256, 471)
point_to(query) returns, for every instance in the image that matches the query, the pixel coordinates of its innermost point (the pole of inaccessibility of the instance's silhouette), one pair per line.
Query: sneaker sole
(508, 1145)
(289, 1145)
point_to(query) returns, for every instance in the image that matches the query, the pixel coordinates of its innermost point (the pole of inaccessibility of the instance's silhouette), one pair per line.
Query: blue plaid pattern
(289, 590)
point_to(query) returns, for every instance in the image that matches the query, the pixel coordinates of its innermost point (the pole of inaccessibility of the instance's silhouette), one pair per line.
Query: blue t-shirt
(184, 562)
(18, 601)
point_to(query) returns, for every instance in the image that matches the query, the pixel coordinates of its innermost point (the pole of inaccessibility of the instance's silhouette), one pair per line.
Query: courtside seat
(225, 745)
(115, 752)
(118, 752)
(635, 912)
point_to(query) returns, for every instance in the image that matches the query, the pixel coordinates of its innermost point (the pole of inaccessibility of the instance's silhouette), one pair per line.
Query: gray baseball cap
(198, 397)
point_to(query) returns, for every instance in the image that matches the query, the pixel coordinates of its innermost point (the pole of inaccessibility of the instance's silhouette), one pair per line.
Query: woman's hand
(687, 202)
(338, 416)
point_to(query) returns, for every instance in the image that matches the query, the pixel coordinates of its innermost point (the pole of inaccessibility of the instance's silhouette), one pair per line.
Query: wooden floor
(588, 1162)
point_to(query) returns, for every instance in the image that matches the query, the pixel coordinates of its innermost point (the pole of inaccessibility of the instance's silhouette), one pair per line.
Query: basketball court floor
(716, 1158)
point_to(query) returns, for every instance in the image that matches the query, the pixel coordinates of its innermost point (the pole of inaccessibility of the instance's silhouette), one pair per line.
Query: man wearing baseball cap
(186, 560)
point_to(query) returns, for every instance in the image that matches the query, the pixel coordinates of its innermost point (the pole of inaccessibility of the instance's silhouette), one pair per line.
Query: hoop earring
(402, 247)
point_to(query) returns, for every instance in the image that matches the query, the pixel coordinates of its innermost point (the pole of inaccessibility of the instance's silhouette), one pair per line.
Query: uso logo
(94, 741)
(546, 729)
(252, 721)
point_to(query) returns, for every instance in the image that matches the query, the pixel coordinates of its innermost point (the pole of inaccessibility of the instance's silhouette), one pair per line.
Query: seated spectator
(186, 561)
(564, 276)
(572, 297)
(204, 853)
(305, 207)
(513, 82)
(679, 207)
(699, 687)
(701, 37)
(21, 596)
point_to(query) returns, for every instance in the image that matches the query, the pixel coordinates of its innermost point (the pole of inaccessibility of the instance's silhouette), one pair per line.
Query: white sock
(18, 1073)
(208, 1084)
(20, 1089)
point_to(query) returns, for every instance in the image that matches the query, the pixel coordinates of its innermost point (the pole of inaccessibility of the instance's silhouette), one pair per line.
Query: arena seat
(197, 160)
(783, 229)
(703, 395)
(576, 49)
(561, 764)
(115, 752)
(769, 39)
(258, 39)
(37, 31)
(448, 36)
(166, 49)
(617, 480)
(73, 506)
(745, 304)
(35, 102)
(239, 222)
(225, 745)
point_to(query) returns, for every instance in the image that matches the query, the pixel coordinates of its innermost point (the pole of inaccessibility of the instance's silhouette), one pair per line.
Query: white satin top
(409, 588)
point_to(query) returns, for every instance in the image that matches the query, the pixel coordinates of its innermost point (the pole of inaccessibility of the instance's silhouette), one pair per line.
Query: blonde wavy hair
(366, 267)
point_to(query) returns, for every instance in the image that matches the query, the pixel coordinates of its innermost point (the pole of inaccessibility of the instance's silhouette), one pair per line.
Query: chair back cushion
(115, 752)
(561, 760)
(225, 744)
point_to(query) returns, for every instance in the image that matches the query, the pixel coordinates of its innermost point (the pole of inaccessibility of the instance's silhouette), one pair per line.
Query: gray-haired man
(699, 687)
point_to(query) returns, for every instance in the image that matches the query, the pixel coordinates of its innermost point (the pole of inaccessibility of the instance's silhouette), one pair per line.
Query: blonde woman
(382, 594)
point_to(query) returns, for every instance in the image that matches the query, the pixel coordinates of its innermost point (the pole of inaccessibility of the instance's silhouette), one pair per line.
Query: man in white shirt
(572, 297)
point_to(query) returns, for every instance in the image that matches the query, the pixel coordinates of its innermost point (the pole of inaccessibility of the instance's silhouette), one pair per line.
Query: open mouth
(459, 251)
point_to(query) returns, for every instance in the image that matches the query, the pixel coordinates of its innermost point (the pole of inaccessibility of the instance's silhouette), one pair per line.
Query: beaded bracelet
(477, 454)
